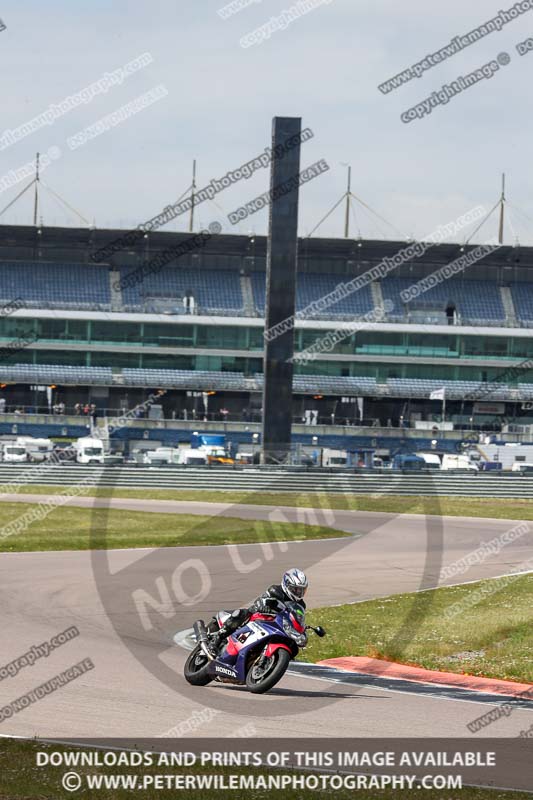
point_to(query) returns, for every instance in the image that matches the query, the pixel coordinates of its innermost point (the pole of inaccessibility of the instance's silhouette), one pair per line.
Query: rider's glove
(270, 604)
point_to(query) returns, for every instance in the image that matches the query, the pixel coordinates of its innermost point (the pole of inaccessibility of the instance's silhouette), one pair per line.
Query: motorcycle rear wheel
(260, 679)
(196, 668)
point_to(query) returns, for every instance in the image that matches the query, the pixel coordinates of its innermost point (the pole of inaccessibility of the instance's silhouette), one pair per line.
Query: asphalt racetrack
(136, 688)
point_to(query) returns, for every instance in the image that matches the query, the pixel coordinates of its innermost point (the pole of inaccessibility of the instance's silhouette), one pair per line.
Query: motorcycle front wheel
(266, 672)
(196, 668)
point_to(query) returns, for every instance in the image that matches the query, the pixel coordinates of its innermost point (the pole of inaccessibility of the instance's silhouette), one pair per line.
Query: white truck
(89, 450)
(192, 457)
(334, 458)
(450, 461)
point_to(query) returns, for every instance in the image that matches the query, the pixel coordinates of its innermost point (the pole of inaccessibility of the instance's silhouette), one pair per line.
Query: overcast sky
(325, 67)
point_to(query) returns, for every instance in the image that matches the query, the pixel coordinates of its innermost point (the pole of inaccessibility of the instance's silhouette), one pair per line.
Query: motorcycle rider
(292, 589)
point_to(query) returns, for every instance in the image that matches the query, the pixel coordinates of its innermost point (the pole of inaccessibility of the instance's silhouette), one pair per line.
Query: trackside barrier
(286, 480)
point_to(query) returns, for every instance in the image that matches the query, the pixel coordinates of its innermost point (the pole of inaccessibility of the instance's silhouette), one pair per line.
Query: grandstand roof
(60, 244)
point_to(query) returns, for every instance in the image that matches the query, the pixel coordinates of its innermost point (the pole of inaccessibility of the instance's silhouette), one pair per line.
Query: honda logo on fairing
(225, 671)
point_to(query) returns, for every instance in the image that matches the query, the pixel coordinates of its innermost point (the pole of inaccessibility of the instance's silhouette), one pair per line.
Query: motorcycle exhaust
(201, 637)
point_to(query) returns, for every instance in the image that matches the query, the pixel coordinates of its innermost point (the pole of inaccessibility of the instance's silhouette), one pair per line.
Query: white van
(14, 453)
(160, 455)
(432, 460)
(89, 450)
(522, 466)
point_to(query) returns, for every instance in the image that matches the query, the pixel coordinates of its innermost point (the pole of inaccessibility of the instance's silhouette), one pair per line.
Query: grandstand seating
(218, 292)
(522, 294)
(207, 380)
(197, 379)
(474, 301)
(311, 287)
(51, 373)
(213, 290)
(52, 285)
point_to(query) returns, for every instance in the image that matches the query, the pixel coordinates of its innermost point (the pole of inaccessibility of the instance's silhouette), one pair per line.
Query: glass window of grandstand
(13, 327)
(335, 369)
(485, 346)
(103, 331)
(24, 356)
(151, 361)
(256, 340)
(380, 343)
(73, 358)
(422, 344)
(116, 361)
(168, 335)
(61, 330)
(521, 348)
(305, 339)
(221, 336)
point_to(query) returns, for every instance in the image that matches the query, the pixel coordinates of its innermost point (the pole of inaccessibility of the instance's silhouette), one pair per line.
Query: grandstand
(195, 328)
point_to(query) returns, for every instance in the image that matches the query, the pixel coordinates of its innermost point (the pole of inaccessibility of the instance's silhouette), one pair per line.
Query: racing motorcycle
(256, 655)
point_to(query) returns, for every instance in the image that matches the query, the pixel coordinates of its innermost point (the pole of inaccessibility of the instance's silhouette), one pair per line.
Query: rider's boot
(230, 626)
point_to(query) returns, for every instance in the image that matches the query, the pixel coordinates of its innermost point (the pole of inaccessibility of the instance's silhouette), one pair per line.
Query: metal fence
(264, 479)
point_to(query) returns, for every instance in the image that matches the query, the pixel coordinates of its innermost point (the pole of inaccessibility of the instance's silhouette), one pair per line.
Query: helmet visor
(298, 591)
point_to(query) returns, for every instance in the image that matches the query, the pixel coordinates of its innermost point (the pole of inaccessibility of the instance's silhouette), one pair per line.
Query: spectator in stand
(2, 405)
(18, 412)
(61, 407)
(77, 409)
(224, 414)
(86, 409)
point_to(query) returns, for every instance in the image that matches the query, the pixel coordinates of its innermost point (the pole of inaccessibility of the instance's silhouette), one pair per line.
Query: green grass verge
(21, 779)
(496, 508)
(69, 528)
(491, 634)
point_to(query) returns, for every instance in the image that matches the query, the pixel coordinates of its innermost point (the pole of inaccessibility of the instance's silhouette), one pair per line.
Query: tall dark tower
(281, 288)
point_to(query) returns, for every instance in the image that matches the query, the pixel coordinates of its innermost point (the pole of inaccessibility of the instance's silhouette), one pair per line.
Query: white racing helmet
(294, 583)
